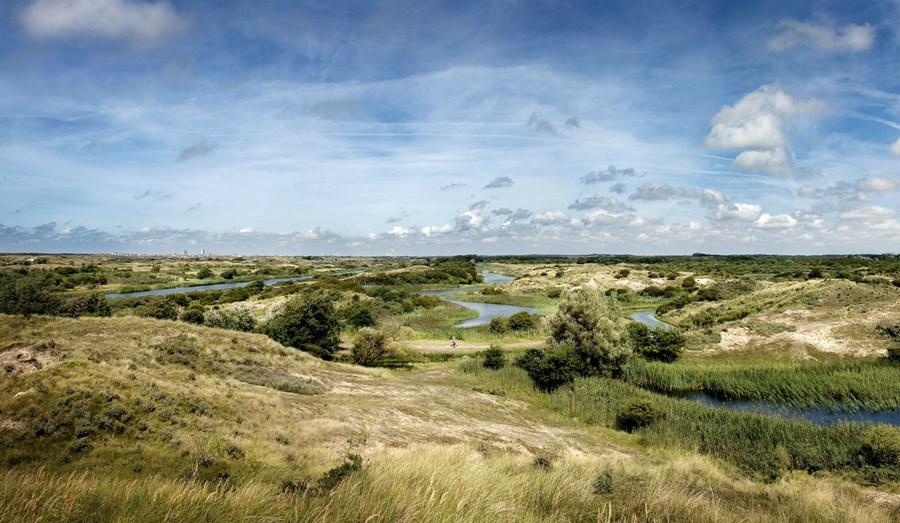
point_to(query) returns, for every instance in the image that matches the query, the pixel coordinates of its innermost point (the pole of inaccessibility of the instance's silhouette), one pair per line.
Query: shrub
(96, 304)
(370, 345)
(204, 273)
(333, 477)
(689, 282)
(193, 315)
(554, 292)
(623, 273)
(492, 290)
(494, 358)
(603, 483)
(893, 354)
(521, 321)
(27, 295)
(881, 446)
(233, 318)
(159, 308)
(308, 323)
(359, 314)
(498, 325)
(592, 324)
(657, 344)
(636, 414)
(550, 369)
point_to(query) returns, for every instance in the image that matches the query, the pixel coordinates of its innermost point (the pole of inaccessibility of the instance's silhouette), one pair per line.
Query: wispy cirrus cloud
(851, 38)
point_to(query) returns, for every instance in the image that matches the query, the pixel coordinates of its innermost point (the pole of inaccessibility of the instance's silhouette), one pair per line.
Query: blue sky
(372, 128)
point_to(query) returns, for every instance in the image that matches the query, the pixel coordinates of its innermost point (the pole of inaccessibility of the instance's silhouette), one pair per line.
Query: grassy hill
(135, 419)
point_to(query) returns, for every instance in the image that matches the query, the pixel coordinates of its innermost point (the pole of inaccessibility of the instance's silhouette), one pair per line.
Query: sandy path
(467, 346)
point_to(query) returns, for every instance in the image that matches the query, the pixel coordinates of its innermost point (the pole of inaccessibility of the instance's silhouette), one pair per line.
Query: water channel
(815, 415)
(201, 288)
(486, 311)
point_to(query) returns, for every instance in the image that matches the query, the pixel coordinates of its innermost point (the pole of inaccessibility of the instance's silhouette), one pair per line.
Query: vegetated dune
(225, 426)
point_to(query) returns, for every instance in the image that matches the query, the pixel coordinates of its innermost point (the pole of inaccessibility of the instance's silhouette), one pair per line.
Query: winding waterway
(486, 311)
(201, 288)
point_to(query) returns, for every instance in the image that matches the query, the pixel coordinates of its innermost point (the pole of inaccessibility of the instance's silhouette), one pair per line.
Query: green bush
(233, 318)
(359, 314)
(204, 273)
(520, 321)
(893, 354)
(494, 358)
(30, 294)
(370, 346)
(159, 308)
(881, 446)
(498, 325)
(193, 315)
(95, 304)
(636, 414)
(307, 322)
(554, 292)
(550, 369)
(657, 344)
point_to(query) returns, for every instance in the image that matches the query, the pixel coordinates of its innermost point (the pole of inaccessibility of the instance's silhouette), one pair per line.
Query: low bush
(498, 325)
(520, 321)
(881, 446)
(370, 346)
(494, 358)
(159, 308)
(550, 369)
(232, 318)
(636, 414)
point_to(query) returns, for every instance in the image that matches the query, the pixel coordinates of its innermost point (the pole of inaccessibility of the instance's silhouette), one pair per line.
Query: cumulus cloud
(712, 197)
(618, 188)
(610, 174)
(745, 212)
(879, 183)
(551, 218)
(661, 191)
(539, 123)
(125, 20)
(873, 212)
(757, 124)
(778, 221)
(600, 202)
(500, 182)
(851, 38)
(201, 148)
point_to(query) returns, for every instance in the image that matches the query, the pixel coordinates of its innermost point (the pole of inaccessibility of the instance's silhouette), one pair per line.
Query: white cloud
(850, 38)
(895, 147)
(773, 161)
(878, 184)
(757, 123)
(745, 212)
(867, 213)
(778, 221)
(551, 218)
(137, 22)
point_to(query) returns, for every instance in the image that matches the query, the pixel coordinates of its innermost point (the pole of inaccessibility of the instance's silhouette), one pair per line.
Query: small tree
(308, 323)
(657, 344)
(204, 273)
(159, 308)
(592, 324)
(637, 414)
(370, 345)
(494, 358)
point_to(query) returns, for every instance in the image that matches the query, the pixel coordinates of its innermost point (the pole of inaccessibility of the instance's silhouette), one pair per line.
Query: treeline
(454, 271)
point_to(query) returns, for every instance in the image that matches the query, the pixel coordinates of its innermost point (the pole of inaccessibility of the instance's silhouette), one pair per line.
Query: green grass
(871, 384)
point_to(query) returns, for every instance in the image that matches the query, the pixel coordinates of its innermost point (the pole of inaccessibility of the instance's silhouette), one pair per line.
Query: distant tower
(185, 252)
(202, 252)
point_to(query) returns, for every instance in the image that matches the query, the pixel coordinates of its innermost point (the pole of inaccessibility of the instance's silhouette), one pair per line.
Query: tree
(592, 324)
(497, 325)
(308, 323)
(369, 346)
(550, 369)
(29, 294)
(204, 273)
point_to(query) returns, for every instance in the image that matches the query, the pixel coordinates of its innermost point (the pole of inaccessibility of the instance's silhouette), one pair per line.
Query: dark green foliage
(229, 274)
(603, 483)
(95, 304)
(689, 283)
(881, 446)
(492, 290)
(657, 344)
(159, 308)
(28, 294)
(333, 477)
(550, 368)
(445, 270)
(623, 273)
(494, 358)
(498, 325)
(520, 321)
(239, 318)
(204, 273)
(554, 292)
(308, 322)
(193, 315)
(636, 414)
(359, 314)
(893, 354)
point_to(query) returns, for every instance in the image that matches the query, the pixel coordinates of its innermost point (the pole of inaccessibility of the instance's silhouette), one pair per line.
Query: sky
(449, 127)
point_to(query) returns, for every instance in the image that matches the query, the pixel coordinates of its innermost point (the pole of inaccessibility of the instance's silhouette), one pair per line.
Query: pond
(649, 319)
(201, 288)
(486, 311)
(816, 415)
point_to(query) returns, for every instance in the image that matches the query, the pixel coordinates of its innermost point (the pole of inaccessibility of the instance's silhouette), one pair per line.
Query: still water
(486, 311)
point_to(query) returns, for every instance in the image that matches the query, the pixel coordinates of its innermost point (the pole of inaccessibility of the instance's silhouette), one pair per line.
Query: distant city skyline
(440, 128)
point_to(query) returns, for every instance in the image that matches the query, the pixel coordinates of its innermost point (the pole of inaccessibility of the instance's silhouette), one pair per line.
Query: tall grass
(452, 484)
(871, 384)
